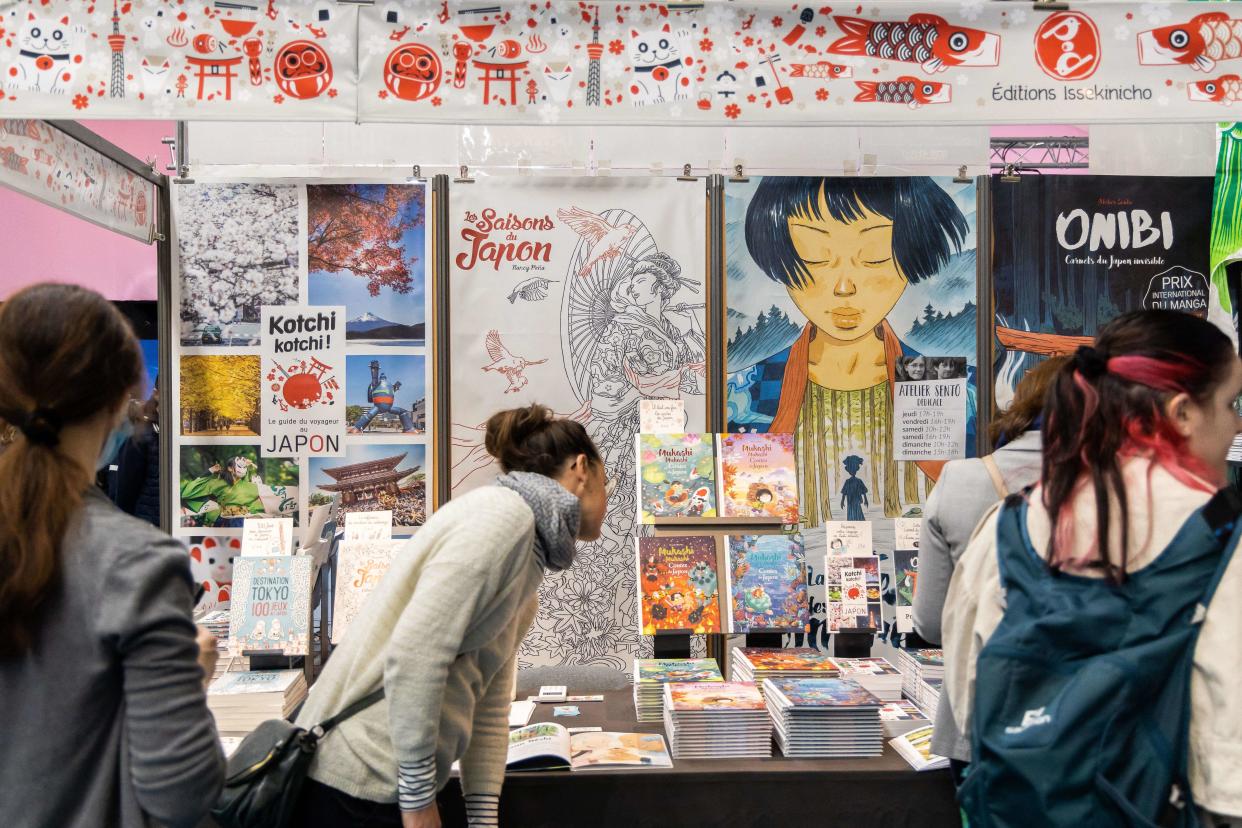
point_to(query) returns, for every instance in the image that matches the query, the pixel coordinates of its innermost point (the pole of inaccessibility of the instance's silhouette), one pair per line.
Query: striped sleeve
(482, 810)
(416, 784)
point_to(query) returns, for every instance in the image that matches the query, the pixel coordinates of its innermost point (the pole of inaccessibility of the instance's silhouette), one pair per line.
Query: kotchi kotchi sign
(564, 61)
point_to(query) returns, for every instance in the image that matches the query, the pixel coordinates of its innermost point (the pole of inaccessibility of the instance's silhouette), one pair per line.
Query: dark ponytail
(66, 354)
(1107, 404)
(533, 439)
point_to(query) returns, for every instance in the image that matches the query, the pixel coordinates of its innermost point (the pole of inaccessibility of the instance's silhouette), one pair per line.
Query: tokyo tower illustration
(116, 41)
(595, 50)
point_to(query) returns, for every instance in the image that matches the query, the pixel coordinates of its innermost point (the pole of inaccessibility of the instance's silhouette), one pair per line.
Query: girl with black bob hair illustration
(846, 249)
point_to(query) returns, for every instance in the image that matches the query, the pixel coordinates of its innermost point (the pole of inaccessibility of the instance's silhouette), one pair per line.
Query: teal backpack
(1082, 696)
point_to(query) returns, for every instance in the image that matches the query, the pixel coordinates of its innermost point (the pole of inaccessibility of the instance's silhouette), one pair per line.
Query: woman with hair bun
(441, 632)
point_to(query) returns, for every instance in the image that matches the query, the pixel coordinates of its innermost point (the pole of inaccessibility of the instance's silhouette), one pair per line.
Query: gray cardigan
(962, 496)
(105, 723)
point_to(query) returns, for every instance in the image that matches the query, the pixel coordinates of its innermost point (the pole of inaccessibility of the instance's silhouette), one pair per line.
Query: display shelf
(664, 526)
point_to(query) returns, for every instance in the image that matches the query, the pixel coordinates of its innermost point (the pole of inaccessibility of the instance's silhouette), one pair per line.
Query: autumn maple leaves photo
(363, 246)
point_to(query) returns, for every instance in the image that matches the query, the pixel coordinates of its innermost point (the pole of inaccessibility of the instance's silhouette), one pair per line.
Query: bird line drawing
(607, 242)
(512, 368)
(534, 289)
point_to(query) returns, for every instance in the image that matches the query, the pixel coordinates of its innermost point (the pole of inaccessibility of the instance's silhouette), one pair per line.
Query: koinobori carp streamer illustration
(909, 90)
(925, 39)
(1199, 44)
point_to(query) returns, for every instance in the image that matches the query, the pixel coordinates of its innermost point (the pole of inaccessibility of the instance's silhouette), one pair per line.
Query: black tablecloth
(773, 793)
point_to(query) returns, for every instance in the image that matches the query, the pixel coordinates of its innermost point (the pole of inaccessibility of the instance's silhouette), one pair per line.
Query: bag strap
(998, 482)
(354, 709)
(1221, 514)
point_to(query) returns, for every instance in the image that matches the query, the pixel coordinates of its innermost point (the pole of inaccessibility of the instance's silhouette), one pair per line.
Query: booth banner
(587, 296)
(841, 291)
(303, 382)
(1072, 252)
(762, 61)
(249, 60)
(46, 164)
(973, 61)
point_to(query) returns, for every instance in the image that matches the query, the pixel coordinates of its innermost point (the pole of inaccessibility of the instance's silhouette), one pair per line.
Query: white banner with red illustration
(549, 61)
(245, 60)
(964, 61)
(46, 164)
(302, 380)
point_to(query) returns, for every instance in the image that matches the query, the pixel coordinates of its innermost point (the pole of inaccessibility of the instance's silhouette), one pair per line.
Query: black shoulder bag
(265, 775)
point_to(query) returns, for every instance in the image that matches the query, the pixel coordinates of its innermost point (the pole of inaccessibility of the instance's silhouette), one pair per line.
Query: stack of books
(922, 674)
(754, 664)
(825, 718)
(927, 696)
(217, 623)
(240, 702)
(900, 717)
(716, 720)
(651, 674)
(881, 678)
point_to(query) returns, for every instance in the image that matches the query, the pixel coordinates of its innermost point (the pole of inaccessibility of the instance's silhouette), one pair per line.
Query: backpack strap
(357, 707)
(1221, 514)
(998, 482)
(1019, 564)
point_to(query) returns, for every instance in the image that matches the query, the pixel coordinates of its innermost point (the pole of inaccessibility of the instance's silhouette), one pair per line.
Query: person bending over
(441, 632)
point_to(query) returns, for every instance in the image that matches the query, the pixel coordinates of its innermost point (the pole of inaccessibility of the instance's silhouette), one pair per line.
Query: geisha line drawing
(623, 321)
(833, 285)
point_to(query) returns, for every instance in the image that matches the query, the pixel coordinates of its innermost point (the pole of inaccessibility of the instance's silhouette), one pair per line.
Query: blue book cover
(767, 583)
(271, 605)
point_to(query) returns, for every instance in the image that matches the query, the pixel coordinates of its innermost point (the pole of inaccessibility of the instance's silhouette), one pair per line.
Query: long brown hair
(1028, 402)
(66, 354)
(533, 439)
(1107, 404)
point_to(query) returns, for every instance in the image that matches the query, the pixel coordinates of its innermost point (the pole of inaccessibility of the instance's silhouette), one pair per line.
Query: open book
(915, 748)
(549, 746)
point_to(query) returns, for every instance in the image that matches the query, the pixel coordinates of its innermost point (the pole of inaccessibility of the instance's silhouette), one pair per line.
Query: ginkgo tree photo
(220, 396)
(365, 246)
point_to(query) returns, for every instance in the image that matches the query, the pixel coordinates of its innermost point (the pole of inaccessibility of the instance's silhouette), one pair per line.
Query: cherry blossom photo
(238, 246)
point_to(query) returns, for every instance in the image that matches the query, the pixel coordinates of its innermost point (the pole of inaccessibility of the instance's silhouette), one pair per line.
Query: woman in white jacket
(1136, 433)
(440, 635)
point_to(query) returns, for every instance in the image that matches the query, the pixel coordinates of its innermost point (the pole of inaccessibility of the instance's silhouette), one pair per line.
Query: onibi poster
(1072, 252)
(586, 296)
(839, 290)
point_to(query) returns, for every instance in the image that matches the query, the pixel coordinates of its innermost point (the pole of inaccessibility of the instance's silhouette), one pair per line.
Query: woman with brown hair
(101, 679)
(439, 636)
(966, 490)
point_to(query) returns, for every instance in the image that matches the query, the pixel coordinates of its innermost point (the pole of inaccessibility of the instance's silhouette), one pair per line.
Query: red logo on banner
(1067, 46)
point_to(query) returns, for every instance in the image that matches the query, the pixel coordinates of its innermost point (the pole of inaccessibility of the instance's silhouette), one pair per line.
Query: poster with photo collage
(241, 247)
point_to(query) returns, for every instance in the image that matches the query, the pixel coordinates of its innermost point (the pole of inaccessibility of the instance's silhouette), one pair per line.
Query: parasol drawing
(588, 287)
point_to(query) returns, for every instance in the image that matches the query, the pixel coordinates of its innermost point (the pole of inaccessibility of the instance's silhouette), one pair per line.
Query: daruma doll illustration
(303, 70)
(412, 72)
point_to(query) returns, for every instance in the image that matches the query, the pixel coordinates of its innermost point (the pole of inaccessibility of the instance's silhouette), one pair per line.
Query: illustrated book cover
(765, 578)
(757, 476)
(271, 605)
(676, 476)
(679, 584)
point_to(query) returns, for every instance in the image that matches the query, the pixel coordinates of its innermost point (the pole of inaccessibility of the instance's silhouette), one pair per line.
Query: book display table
(719, 792)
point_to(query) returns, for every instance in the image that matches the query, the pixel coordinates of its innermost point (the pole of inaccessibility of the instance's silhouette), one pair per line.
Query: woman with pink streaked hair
(1103, 562)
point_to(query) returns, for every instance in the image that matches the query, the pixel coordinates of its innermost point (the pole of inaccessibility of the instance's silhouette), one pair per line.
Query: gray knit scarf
(557, 513)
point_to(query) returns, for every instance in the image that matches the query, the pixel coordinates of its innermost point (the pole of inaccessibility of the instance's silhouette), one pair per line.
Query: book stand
(672, 644)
